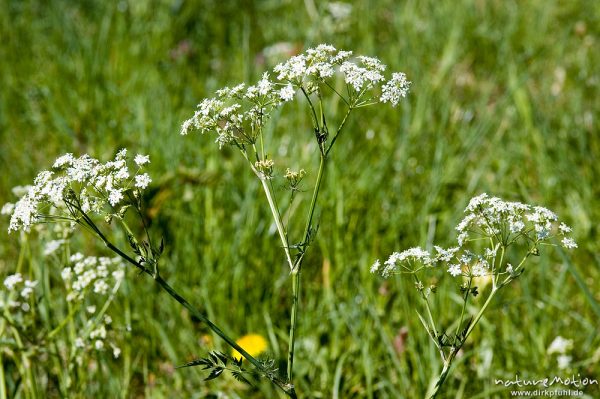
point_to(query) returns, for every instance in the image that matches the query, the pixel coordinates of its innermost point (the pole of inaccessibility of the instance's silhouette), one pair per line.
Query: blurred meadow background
(505, 100)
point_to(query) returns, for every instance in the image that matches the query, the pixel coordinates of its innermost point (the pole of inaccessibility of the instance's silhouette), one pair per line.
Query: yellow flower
(254, 344)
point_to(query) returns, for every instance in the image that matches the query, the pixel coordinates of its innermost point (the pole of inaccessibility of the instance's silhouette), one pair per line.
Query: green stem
(313, 204)
(339, 129)
(480, 313)
(294, 318)
(462, 313)
(63, 322)
(2, 379)
(278, 223)
(496, 270)
(298, 266)
(443, 375)
(448, 363)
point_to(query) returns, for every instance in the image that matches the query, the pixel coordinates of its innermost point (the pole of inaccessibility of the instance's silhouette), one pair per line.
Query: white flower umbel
(560, 345)
(237, 114)
(491, 231)
(91, 274)
(75, 185)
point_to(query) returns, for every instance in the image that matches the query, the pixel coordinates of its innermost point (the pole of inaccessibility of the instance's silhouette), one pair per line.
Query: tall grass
(504, 100)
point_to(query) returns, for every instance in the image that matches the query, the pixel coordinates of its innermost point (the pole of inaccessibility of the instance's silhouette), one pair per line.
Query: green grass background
(504, 100)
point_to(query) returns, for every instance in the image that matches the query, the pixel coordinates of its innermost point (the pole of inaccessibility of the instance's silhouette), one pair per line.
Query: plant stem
(443, 375)
(339, 129)
(298, 266)
(313, 203)
(462, 313)
(278, 223)
(294, 318)
(2, 379)
(454, 351)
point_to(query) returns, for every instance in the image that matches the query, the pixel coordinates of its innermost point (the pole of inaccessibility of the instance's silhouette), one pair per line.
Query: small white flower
(141, 159)
(98, 344)
(564, 361)
(490, 252)
(516, 226)
(28, 290)
(7, 209)
(99, 332)
(293, 69)
(287, 93)
(480, 268)
(564, 228)
(569, 243)
(445, 255)
(52, 246)
(63, 160)
(116, 351)
(455, 269)
(115, 196)
(560, 345)
(91, 309)
(24, 214)
(509, 268)
(79, 343)
(142, 181)
(12, 280)
(375, 267)
(122, 174)
(100, 287)
(264, 85)
(118, 275)
(76, 257)
(395, 89)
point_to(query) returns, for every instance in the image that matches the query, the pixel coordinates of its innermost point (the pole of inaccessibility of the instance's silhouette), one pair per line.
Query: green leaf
(214, 373)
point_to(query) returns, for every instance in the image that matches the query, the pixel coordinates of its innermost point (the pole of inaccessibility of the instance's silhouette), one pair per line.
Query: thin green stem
(294, 318)
(63, 323)
(496, 268)
(434, 336)
(443, 375)
(515, 270)
(448, 362)
(339, 129)
(2, 379)
(311, 209)
(312, 107)
(480, 313)
(278, 223)
(462, 313)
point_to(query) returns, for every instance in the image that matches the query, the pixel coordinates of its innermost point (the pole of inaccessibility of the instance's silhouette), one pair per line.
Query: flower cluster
(84, 182)
(561, 347)
(265, 168)
(237, 114)
(96, 336)
(508, 222)
(18, 292)
(294, 177)
(499, 223)
(95, 274)
(406, 261)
